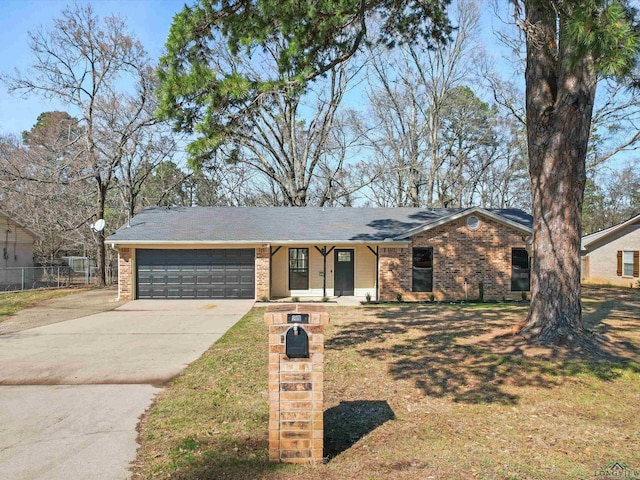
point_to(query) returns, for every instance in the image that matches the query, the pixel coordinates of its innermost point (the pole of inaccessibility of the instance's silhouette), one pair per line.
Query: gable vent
(473, 222)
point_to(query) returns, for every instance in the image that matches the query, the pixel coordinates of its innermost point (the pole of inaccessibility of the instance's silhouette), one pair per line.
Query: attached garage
(198, 273)
(279, 252)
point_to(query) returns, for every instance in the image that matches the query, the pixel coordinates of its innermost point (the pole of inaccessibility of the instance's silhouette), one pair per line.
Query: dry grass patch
(12, 302)
(417, 392)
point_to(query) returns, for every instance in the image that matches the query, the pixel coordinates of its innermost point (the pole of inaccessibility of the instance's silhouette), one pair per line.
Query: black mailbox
(296, 343)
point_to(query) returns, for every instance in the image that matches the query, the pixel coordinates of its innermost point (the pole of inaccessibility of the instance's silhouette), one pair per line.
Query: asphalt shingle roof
(595, 237)
(272, 224)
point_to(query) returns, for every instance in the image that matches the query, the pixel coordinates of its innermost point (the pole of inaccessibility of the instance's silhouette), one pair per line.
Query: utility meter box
(296, 382)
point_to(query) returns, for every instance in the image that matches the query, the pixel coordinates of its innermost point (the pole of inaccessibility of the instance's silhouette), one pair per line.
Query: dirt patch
(76, 305)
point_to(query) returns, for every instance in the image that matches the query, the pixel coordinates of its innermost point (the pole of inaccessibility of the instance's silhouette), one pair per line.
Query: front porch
(314, 272)
(330, 301)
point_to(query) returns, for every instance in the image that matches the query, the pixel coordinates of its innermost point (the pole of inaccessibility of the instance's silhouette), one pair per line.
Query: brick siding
(125, 274)
(459, 254)
(263, 273)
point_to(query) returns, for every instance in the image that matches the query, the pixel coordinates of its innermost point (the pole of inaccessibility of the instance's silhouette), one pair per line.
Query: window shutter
(636, 263)
(619, 271)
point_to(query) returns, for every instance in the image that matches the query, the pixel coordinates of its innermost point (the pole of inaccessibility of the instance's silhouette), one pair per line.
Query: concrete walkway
(332, 302)
(72, 392)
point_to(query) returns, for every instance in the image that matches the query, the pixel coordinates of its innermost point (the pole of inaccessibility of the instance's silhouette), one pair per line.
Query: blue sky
(149, 20)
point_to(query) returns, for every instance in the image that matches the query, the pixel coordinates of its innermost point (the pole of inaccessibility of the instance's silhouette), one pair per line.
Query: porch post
(324, 271)
(377, 274)
(376, 253)
(324, 253)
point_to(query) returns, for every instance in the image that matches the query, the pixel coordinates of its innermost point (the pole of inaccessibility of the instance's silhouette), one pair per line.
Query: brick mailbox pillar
(296, 377)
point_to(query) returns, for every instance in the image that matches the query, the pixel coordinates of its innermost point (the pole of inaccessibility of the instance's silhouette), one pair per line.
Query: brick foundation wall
(296, 389)
(459, 253)
(125, 274)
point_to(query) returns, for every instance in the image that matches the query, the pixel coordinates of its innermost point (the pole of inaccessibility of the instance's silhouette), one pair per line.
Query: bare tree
(291, 144)
(408, 91)
(142, 154)
(95, 66)
(38, 179)
(506, 181)
(470, 146)
(286, 138)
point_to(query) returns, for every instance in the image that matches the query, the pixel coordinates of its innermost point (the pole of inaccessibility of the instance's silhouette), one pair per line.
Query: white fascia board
(463, 213)
(116, 243)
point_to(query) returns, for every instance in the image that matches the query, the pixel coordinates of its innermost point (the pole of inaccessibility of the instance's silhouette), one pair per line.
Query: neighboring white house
(16, 249)
(612, 256)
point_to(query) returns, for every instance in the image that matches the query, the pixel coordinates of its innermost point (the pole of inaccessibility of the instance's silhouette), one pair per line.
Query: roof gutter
(390, 242)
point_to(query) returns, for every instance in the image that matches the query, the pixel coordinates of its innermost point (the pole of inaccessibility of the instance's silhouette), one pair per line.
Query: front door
(343, 276)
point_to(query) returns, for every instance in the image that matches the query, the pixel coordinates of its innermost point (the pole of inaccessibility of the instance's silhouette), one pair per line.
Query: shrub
(295, 299)
(368, 297)
(398, 297)
(325, 299)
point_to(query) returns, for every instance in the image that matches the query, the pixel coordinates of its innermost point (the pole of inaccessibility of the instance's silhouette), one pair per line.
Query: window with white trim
(298, 269)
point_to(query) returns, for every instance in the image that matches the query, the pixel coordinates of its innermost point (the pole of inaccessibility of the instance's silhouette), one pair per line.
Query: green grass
(412, 391)
(12, 302)
(214, 417)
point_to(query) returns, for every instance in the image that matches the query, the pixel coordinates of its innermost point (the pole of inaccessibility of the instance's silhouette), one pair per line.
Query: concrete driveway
(71, 393)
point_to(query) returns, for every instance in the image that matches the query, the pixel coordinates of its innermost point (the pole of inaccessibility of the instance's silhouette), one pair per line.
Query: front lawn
(12, 302)
(415, 392)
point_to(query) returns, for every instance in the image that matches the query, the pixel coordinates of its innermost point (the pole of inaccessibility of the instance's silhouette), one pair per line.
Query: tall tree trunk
(560, 95)
(414, 185)
(435, 161)
(460, 181)
(101, 277)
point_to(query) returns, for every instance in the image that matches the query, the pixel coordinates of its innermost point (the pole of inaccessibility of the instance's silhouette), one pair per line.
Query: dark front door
(343, 268)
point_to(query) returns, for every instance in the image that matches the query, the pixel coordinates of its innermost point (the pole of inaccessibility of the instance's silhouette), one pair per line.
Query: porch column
(263, 272)
(323, 251)
(125, 274)
(376, 252)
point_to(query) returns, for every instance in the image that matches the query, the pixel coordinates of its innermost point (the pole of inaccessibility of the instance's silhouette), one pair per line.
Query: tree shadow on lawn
(348, 422)
(470, 354)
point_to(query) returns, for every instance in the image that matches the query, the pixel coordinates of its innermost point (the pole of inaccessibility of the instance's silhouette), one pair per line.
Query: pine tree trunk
(560, 96)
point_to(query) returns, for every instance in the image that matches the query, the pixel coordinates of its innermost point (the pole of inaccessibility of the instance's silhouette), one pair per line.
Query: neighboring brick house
(611, 256)
(278, 252)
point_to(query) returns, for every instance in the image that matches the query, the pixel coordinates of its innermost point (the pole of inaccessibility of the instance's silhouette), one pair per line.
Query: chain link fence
(55, 276)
